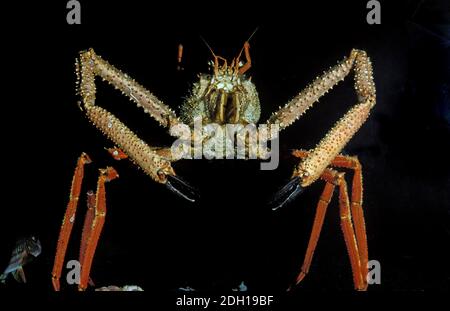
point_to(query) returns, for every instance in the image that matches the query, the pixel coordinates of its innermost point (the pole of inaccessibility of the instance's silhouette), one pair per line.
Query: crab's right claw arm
(286, 194)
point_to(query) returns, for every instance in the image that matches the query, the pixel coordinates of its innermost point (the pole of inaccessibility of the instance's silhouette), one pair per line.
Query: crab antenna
(240, 53)
(254, 31)
(216, 58)
(207, 45)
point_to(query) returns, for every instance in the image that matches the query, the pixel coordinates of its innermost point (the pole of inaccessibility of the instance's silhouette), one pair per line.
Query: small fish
(23, 252)
(241, 288)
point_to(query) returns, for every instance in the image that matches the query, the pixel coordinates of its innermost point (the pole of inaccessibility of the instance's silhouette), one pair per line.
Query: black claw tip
(182, 188)
(286, 194)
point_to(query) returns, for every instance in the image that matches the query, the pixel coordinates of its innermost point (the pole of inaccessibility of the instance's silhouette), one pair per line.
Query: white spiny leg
(153, 163)
(312, 167)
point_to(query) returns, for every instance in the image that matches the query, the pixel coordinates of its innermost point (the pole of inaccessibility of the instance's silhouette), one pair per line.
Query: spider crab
(226, 96)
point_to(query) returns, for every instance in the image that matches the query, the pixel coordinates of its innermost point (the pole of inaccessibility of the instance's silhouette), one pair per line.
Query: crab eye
(241, 64)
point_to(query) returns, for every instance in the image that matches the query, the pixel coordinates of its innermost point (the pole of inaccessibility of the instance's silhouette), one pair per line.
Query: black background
(156, 240)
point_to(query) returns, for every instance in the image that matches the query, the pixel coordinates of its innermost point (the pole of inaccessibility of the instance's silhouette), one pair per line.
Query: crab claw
(182, 188)
(286, 194)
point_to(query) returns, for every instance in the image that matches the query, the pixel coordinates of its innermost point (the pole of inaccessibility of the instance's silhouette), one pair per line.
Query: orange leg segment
(356, 207)
(322, 205)
(88, 219)
(352, 220)
(68, 220)
(87, 225)
(92, 234)
(349, 236)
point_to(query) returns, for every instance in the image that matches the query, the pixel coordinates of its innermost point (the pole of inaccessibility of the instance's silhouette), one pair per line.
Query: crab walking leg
(98, 220)
(68, 220)
(139, 152)
(359, 279)
(321, 209)
(353, 163)
(356, 207)
(87, 225)
(329, 147)
(332, 179)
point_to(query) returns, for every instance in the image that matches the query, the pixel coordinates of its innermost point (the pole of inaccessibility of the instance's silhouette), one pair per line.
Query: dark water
(156, 240)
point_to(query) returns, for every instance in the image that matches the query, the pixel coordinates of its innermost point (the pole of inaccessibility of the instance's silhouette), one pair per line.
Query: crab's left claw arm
(154, 161)
(173, 182)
